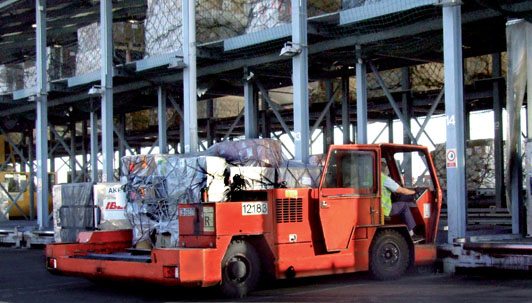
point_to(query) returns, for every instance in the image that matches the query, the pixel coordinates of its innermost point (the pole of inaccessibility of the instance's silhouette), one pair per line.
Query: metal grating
(289, 210)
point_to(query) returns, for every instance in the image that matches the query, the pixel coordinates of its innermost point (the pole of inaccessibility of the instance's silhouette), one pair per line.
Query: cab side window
(352, 169)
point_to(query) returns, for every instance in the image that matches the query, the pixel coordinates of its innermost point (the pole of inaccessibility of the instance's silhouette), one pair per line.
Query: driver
(389, 186)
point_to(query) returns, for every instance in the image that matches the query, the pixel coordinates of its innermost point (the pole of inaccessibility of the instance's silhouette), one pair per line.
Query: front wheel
(389, 255)
(240, 269)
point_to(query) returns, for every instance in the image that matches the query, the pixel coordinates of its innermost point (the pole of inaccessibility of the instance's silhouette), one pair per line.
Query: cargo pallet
(24, 234)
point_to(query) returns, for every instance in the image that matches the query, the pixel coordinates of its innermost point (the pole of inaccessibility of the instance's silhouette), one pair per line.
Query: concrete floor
(23, 278)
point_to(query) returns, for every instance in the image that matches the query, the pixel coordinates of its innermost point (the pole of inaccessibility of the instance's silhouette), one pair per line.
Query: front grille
(289, 210)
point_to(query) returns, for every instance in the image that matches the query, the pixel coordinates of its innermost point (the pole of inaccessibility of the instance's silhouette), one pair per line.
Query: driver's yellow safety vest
(386, 197)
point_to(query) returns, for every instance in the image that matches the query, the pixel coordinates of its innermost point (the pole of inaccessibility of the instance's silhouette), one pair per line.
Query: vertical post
(467, 124)
(121, 145)
(346, 125)
(390, 130)
(407, 114)
(182, 135)
(250, 108)
(42, 117)
(72, 161)
(328, 133)
(498, 141)
(94, 145)
(265, 120)
(454, 102)
(106, 23)
(300, 80)
(29, 140)
(161, 116)
(189, 77)
(84, 149)
(362, 102)
(210, 124)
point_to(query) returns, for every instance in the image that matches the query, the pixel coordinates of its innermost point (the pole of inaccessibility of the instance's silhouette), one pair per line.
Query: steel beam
(230, 130)
(346, 124)
(106, 23)
(300, 80)
(391, 99)
(189, 76)
(454, 103)
(498, 97)
(324, 112)
(251, 108)
(42, 117)
(161, 116)
(429, 114)
(362, 102)
(273, 106)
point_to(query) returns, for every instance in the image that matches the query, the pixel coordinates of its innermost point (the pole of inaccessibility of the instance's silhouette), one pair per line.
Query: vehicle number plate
(254, 208)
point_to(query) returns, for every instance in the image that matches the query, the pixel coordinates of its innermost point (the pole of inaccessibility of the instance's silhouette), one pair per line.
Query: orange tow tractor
(282, 233)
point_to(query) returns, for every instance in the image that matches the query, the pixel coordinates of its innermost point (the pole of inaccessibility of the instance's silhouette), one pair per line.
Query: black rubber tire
(389, 255)
(243, 255)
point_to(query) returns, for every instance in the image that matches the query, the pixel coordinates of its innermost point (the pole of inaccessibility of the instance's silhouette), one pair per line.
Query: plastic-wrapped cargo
(293, 174)
(252, 152)
(126, 36)
(271, 13)
(110, 202)
(253, 178)
(4, 204)
(156, 184)
(73, 210)
(174, 177)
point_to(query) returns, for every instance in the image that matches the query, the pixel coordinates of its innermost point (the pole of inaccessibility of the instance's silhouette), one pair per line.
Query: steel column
(83, 149)
(300, 80)
(189, 76)
(72, 129)
(121, 146)
(407, 128)
(161, 116)
(42, 116)
(265, 119)
(250, 106)
(94, 145)
(346, 124)
(29, 139)
(390, 130)
(106, 23)
(210, 123)
(362, 103)
(454, 103)
(498, 97)
(328, 133)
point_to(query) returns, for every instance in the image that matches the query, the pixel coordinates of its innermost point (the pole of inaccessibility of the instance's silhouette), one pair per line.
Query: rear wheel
(240, 269)
(389, 255)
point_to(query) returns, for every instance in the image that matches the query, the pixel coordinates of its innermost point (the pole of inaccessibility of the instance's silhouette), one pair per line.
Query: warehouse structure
(74, 71)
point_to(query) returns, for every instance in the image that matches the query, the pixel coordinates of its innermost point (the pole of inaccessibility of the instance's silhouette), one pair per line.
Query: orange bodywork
(303, 232)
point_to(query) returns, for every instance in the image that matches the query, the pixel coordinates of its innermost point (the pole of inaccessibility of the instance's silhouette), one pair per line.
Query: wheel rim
(389, 254)
(237, 269)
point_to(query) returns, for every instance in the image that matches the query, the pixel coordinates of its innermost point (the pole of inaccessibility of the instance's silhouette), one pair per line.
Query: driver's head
(384, 167)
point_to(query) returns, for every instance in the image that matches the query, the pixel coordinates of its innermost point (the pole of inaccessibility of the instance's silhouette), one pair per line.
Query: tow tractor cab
(283, 233)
